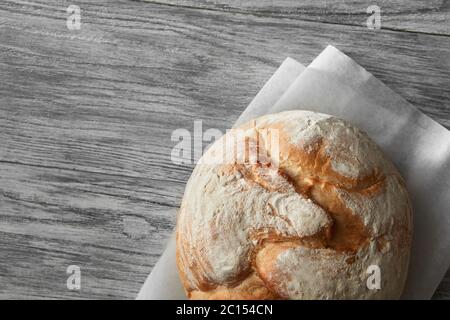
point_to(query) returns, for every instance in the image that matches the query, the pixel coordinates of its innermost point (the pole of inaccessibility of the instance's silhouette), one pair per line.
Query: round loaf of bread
(294, 205)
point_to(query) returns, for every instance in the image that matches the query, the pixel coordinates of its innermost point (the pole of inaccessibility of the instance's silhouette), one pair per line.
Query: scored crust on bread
(308, 227)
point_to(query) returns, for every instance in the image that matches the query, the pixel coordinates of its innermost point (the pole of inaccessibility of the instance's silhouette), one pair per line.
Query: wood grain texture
(422, 16)
(86, 119)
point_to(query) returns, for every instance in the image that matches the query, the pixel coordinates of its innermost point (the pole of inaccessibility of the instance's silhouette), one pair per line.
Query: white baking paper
(420, 147)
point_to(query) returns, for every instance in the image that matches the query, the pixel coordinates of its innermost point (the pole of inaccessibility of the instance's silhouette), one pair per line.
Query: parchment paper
(420, 148)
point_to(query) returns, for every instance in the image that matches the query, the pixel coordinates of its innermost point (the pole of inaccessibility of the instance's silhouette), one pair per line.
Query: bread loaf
(305, 220)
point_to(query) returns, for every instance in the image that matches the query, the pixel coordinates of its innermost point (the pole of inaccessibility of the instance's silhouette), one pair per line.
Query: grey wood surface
(86, 116)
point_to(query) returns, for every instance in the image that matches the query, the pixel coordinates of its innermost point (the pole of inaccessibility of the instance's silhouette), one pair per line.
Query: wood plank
(443, 291)
(86, 119)
(423, 16)
(70, 100)
(51, 219)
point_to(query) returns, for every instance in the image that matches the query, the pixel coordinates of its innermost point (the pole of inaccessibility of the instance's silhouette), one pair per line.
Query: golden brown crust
(266, 264)
(251, 288)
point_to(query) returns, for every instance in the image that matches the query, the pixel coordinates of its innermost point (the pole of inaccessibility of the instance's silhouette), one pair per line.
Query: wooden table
(86, 116)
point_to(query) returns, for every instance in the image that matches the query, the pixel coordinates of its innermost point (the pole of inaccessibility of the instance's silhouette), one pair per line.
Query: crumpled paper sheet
(420, 148)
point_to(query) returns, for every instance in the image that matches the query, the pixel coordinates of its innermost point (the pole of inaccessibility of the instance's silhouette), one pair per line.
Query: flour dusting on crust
(306, 229)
